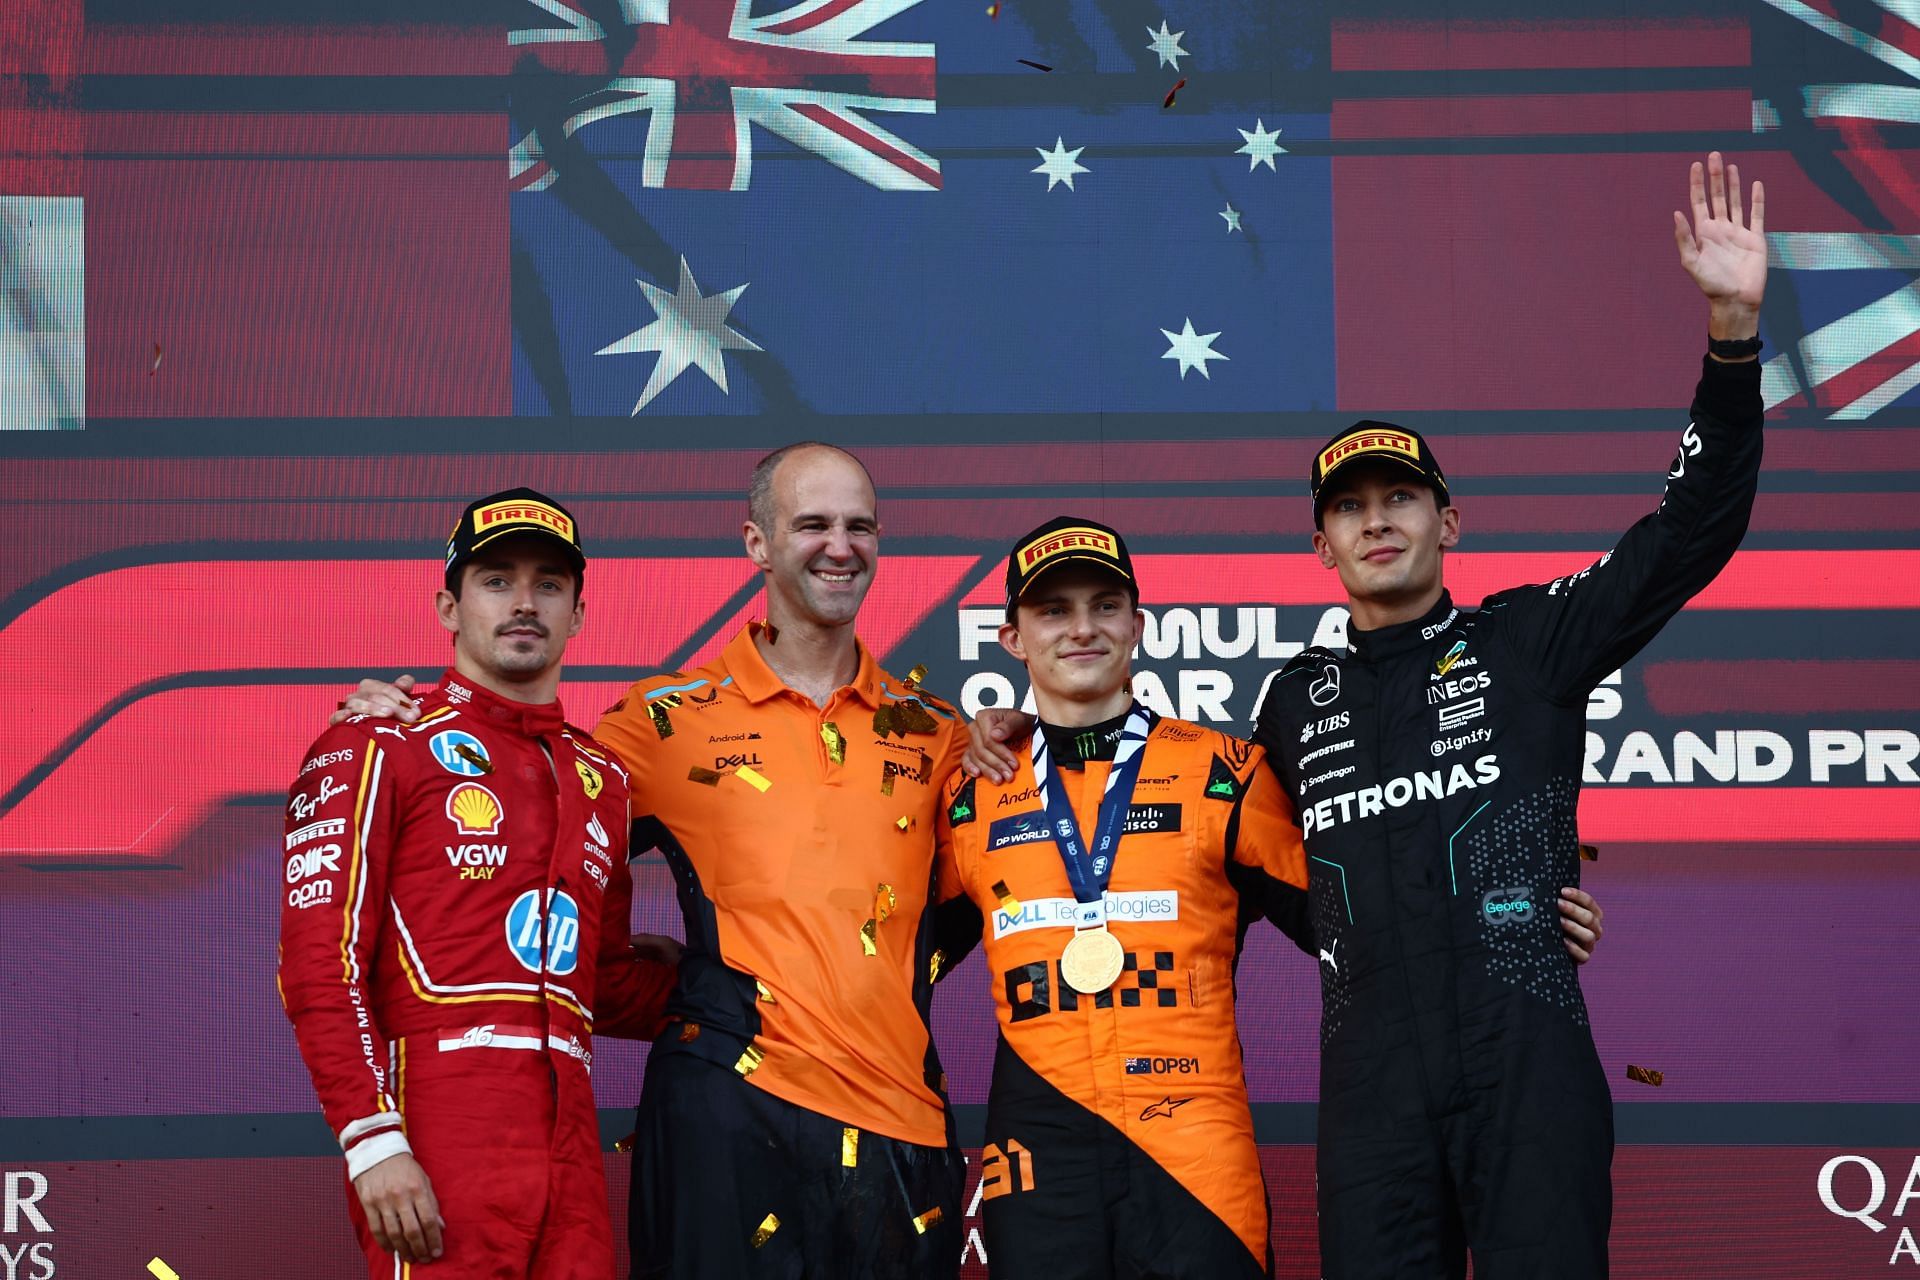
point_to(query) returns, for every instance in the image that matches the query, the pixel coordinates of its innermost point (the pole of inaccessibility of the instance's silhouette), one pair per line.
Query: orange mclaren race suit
(1119, 1143)
(456, 913)
(792, 1121)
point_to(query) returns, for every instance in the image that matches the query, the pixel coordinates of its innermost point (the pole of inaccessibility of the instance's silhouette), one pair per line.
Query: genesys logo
(1860, 1188)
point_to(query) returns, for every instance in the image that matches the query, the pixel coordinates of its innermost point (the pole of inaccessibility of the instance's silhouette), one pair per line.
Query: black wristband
(1734, 348)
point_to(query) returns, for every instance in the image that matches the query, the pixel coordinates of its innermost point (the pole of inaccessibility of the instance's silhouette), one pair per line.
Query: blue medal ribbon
(1090, 871)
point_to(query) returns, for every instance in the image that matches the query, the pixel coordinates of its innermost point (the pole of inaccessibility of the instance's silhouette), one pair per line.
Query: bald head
(762, 506)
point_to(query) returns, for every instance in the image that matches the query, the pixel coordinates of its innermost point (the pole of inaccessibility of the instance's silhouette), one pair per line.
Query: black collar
(1072, 747)
(1401, 637)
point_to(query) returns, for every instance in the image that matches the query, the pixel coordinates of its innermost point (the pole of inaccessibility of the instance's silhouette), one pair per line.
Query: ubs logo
(1498, 906)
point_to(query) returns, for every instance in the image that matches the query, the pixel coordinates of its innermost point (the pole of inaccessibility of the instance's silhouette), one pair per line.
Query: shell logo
(475, 811)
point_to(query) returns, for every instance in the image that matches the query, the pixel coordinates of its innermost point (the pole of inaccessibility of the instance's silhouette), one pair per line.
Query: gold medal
(1092, 961)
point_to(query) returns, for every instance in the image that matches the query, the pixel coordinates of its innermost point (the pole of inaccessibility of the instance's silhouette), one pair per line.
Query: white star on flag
(1166, 45)
(1232, 215)
(1192, 350)
(1060, 164)
(1261, 146)
(688, 329)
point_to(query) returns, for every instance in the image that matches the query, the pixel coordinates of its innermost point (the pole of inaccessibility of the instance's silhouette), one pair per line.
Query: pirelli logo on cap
(501, 516)
(1061, 541)
(1397, 443)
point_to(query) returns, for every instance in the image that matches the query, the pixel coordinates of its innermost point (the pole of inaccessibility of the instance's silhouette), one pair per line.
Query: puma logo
(1326, 955)
(1165, 1107)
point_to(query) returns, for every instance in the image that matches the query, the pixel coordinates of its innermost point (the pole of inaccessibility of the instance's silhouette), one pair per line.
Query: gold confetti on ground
(1590, 853)
(750, 1059)
(928, 1220)
(1644, 1075)
(836, 742)
(704, 776)
(770, 1223)
(752, 777)
(849, 1147)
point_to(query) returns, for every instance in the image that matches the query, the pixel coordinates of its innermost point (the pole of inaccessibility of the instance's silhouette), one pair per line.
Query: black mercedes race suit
(1436, 766)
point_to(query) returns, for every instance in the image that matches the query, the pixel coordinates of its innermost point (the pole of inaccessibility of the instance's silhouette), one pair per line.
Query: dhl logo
(1369, 442)
(522, 512)
(475, 811)
(1066, 540)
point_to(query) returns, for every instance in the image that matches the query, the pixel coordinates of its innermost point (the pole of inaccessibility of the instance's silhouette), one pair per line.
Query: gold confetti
(773, 632)
(867, 933)
(661, 724)
(748, 775)
(1643, 1075)
(928, 1220)
(849, 1148)
(915, 676)
(689, 1032)
(160, 1270)
(885, 900)
(933, 966)
(766, 996)
(750, 1059)
(914, 718)
(704, 776)
(625, 1144)
(883, 722)
(836, 742)
(473, 757)
(905, 823)
(770, 1223)
(1590, 853)
(1008, 903)
(886, 778)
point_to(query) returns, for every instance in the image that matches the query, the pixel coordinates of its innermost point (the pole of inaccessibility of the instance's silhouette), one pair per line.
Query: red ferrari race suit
(456, 908)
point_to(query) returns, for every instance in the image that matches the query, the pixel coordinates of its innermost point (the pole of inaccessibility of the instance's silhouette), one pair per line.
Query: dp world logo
(562, 930)
(1497, 906)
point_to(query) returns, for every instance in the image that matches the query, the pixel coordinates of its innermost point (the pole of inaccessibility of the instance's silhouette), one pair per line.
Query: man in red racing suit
(456, 910)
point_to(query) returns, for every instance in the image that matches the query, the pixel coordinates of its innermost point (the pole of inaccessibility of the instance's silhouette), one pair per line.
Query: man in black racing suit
(1436, 765)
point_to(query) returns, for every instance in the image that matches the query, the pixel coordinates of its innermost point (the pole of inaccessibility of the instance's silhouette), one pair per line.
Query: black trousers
(714, 1156)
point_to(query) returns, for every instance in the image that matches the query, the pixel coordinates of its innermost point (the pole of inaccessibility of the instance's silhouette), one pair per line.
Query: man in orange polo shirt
(792, 1121)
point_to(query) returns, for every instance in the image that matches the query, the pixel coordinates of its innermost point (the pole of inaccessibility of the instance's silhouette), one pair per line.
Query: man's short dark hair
(760, 487)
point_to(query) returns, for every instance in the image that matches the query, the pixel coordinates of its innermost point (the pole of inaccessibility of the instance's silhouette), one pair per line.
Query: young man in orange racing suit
(456, 916)
(1114, 876)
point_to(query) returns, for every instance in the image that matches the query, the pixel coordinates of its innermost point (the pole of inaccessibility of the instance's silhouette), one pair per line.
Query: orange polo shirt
(783, 823)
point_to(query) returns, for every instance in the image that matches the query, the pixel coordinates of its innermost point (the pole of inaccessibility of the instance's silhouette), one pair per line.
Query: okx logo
(1498, 906)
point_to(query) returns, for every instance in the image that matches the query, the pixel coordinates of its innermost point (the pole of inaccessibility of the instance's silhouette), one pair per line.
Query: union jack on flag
(706, 71)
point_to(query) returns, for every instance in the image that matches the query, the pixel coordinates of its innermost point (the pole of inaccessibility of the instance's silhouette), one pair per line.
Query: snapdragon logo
(1429, 784)
(1856, 1187)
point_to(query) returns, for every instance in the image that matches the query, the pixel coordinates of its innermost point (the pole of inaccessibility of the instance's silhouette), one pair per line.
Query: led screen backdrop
(287, 284)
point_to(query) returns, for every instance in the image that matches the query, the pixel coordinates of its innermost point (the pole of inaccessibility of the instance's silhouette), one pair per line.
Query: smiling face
(823, 542)
(519, 604)
(1385, 532)
(1075, 629)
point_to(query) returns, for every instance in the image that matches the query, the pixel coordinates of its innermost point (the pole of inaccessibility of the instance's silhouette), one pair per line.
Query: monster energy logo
(1086, 744)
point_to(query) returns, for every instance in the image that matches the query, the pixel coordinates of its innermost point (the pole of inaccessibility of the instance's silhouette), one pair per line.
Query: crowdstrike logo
(1368, 802)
